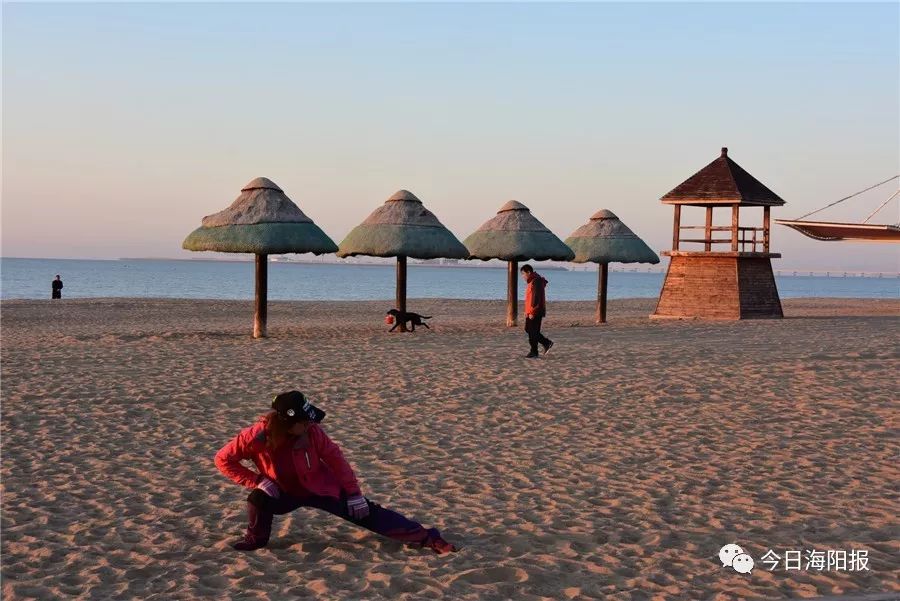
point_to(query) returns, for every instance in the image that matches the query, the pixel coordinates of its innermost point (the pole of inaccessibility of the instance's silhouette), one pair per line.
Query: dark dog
(402, 318)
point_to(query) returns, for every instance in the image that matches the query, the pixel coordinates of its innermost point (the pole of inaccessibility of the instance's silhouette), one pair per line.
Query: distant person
(299, 466)
(56, 287)
(535, 310)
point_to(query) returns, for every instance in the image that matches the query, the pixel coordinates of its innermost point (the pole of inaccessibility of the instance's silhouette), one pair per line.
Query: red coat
(321, 467)
(535, 298)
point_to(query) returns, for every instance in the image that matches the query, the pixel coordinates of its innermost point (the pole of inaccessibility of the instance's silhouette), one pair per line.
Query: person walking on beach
(299, 466)
(56, 287)
(535, 310)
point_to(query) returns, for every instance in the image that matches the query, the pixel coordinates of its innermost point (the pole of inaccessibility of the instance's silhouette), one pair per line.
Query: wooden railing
(746, 236)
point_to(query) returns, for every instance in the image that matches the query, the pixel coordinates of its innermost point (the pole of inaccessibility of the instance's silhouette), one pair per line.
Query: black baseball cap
(294, 407)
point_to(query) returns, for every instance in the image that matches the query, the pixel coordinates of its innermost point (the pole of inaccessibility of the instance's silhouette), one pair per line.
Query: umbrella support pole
(512, 293)
(602, 276)
(259, 317)
(401, 289)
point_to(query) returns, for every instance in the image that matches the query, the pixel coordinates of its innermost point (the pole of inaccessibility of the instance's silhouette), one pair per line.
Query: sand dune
(613, 468)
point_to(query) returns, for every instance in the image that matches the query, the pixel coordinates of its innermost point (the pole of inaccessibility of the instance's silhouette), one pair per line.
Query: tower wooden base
(727, 285)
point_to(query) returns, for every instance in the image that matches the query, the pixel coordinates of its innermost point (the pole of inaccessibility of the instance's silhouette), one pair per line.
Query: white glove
(358, 507)
(269, 487)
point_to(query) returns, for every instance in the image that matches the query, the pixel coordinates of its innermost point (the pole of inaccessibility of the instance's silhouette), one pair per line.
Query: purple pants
(261, 509)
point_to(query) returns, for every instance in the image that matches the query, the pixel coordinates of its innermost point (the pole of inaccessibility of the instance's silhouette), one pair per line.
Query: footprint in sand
(493, 575)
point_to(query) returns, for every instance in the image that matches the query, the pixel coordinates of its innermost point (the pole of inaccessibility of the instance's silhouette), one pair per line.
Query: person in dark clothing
(298, 465)
(535, 310)
(56, 287)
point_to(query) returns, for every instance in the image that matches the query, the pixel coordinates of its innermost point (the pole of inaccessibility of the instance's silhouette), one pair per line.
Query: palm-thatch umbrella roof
(402, 227)
(514, 235)
(263, 221)
(604, 240)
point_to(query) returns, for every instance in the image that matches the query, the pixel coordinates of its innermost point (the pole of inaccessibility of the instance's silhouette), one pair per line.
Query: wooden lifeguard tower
(732, 283)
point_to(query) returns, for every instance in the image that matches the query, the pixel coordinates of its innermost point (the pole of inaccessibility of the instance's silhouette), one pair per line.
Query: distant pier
(832, 273)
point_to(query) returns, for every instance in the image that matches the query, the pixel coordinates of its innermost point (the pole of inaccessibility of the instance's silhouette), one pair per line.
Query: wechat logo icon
(733, 556)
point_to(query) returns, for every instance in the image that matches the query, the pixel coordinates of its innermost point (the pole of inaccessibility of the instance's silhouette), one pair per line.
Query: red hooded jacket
(535, 298)
(320, 466)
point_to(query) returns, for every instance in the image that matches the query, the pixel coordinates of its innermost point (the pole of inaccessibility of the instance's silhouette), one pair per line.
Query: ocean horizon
(22, 278)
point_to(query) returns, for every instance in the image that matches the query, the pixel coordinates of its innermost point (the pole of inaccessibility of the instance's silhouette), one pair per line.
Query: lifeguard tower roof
(722, 182)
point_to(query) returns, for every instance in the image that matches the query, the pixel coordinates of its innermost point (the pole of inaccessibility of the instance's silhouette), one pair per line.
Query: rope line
(882, 206)
(848, 197)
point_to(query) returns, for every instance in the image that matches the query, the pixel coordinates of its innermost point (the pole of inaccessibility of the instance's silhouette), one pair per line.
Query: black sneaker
(247, 544)
(440, 546)
(531, 356)
(547, 346)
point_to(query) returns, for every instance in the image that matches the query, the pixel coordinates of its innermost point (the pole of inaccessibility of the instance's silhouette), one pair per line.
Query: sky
(125, 124)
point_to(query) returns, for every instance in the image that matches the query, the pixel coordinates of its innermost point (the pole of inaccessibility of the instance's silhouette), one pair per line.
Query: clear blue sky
(124, 124)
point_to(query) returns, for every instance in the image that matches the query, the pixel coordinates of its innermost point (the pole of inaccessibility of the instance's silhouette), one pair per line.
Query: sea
(204, 279)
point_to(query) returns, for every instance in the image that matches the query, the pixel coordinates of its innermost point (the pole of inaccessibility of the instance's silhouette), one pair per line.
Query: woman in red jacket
(299, 466)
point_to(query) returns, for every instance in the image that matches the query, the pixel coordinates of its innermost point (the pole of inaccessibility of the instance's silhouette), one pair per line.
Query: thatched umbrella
(514, 235)
(402, 227)
(604, 240)
(262, 221)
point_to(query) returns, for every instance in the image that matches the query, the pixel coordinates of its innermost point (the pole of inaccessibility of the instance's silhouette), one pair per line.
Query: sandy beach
(613, 468)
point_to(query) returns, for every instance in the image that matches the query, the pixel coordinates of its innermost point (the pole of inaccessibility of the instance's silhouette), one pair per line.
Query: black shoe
(247, 544)
(547, 346)
(440, 546)
(531, 356)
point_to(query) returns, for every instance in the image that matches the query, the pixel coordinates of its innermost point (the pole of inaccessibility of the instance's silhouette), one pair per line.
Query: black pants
(533, 328)
(56, 294)
(262, 508)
